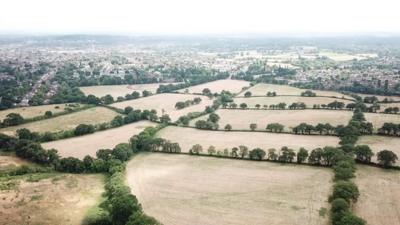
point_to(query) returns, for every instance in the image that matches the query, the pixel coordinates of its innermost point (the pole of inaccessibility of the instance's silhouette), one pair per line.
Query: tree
(243, 105)
(302, 155)
(108, 99)
(184, 120)
(350, 219)
(243, 151)
(258, 106)
(146, 93)
(118, 121)
(346, 190)
(128, 109)
(234, 152)
(165, 118)
(363, 153)
(228, 127)
(287, 154)
(213, 118)
(48, 114)
(206, 91)
(247, 94)
(135, 95)
(253, 126)
(122, 152)
(82, 129)
(386, 158)
(211, 150)
(91, 99)
(272, 154)
(257, 154)
(13, 119)
(180, 105)
(196, 149)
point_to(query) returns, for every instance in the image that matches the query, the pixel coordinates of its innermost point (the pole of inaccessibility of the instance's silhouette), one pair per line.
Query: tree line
(187, 103)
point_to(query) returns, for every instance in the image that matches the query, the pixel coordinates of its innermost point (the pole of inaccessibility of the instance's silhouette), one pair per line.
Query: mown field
(166, 103)
(379, 143)
(79, 147)
(49, 199)
(378, 119)
(70, 121)
(241, 119)
(309, 101)
(119, 90)
(187, 137)
(379, 197)
(34, 111)
(263, 89)
(179, 189)
(233, 86)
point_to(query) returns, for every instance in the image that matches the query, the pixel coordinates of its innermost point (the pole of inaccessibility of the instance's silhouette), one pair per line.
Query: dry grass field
(379, 197)
(241, 119)
(263, 88)
(58, 199)
(379, 143)
(383, 106)
(166, 102)
(187, 137)
(179, 189)
(233, 86)
(9, 162)
(89, 116)
(345, 56)
(380, 97)
(378, 119)
(119, 90)
(33, 111)
(309, 101)
(79, 147)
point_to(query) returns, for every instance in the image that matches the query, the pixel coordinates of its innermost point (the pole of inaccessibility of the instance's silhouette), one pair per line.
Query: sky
(199, 17)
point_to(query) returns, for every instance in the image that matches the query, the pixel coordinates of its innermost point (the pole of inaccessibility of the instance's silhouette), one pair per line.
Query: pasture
(94, 115)
(79, 147)
(309, 101)
(187, 137)
(379, 189)
(119, 90)
(179, 189)
(49, 199)
(241, 119)
(234, 86)
(34, 111)
(9, 162)
(166, 103)
(378, 119)
(336, 56)
(380, 97)
(262, 89)
(379, 143)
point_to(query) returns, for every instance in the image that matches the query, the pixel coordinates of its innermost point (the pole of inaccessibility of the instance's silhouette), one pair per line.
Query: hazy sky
(201, 16)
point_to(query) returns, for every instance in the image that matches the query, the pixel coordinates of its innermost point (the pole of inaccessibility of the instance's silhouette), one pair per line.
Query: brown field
(119, 90)
(9, 162)
(32, 111)
(379, 197)
(59, 199)
(262, 89)
(309, 101)
(234, 86)
(241, 119)
(379, 143)
(383, 106)
(180, 189)
(166, 102)
(79, 147)
(187, 137)
(89, 116)
(378, 119)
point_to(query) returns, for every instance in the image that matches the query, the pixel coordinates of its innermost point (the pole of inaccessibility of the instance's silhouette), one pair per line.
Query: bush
(83, 129)
(346, 190)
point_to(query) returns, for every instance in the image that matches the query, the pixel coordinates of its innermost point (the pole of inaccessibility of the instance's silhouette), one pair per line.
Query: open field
(9, 162)
(179, 189)
(383, 106)
(57, 199)
(378, 119)
(119, 90)
(380, 97)
(345, 56)
(217, 86)
(379, 143)
(241, 119)
(222, 139)
(309, 101)
(33, 111)
(167, 103)
(89, 116)
(263, 88)
(379, 197)
(79, 147)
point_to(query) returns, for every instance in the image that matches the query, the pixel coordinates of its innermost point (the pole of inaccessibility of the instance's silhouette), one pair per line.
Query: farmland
(222, 139)
(119, 90)
(378, 119)
(234, 86)
(241, 119)
(33, 111)
(379, 143)
(345, 56)
(172, 188)
(79, 147)
(262, 89)
(8, 162)
(379, 193)
(89, 116)
(166, 103)
(49, 199)
(309, 101)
